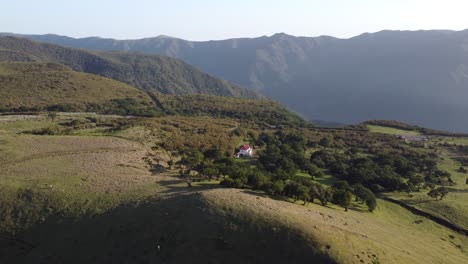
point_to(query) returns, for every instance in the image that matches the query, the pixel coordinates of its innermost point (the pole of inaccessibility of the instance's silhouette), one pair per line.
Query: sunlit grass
(391, 131)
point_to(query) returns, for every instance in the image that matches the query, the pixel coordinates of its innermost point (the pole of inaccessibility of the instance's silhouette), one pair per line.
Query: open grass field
(391, 130)
(98, 172)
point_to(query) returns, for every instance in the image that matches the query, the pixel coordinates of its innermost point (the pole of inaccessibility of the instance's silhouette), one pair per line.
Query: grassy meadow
(391, 130)
(91, 187)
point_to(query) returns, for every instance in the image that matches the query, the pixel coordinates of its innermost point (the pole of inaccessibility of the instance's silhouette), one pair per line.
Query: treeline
(123, 106)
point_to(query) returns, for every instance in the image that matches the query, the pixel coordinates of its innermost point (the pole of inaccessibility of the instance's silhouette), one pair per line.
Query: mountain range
(148, 72)
(419, 77)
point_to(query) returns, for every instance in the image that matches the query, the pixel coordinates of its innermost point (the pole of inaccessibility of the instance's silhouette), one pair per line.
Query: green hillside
(150, 73)
(53, 87)
(107, 193)
(267, 112)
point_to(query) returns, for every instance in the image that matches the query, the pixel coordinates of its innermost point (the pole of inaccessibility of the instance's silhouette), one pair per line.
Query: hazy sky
(219, 19)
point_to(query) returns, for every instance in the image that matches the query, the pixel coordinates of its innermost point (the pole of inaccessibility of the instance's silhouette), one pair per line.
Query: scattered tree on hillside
(191, 160)
(414, 183)
(443, 192)
(210, 171)
(52, 115)
(325, 195)
(276, 188)
(438, 192)
(371, 204)
(343, 198)
(434, 193)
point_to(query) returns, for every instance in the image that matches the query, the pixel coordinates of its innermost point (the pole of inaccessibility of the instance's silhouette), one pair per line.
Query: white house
(245, 150)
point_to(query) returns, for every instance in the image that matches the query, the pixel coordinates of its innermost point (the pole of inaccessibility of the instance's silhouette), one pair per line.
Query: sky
(220, 19)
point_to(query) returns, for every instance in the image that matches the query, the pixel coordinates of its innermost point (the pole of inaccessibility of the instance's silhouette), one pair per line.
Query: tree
(192, 160)
(325, 195)
(171, 147)
(371, 204)
(365, 195)
(311, 169)
(252, 136)
(362, 193)
(257, 180)
(341, 185)
(224, 166)
(52, 115)
(415, 183)
(343, 198)
(302, 193)
(443, 192)
(213, 153)
(359, 192)
(326, 142)
(276, 188)
(210, 171)
(297, 191)
(434, 193)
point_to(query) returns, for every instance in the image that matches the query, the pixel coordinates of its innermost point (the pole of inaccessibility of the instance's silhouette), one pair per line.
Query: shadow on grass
(181, 229)
(415, 202)
(264, 195)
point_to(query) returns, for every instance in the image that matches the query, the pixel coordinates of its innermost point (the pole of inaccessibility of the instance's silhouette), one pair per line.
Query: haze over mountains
(419, 77)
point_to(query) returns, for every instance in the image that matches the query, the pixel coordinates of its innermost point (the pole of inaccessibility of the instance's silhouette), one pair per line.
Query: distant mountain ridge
(419, 77)
(151, 73)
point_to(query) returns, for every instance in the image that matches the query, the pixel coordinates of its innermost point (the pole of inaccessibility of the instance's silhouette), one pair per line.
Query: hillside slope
(151, 73)
(50, 86)
(419, 77)
(91, 197)
(268, 112)
(26, 86)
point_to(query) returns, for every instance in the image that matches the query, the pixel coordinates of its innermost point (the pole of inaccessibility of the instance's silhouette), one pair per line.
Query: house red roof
(245, 147)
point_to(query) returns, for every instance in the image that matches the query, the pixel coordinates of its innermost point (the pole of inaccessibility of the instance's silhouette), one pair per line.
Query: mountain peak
(281, 35)
(164, 37)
